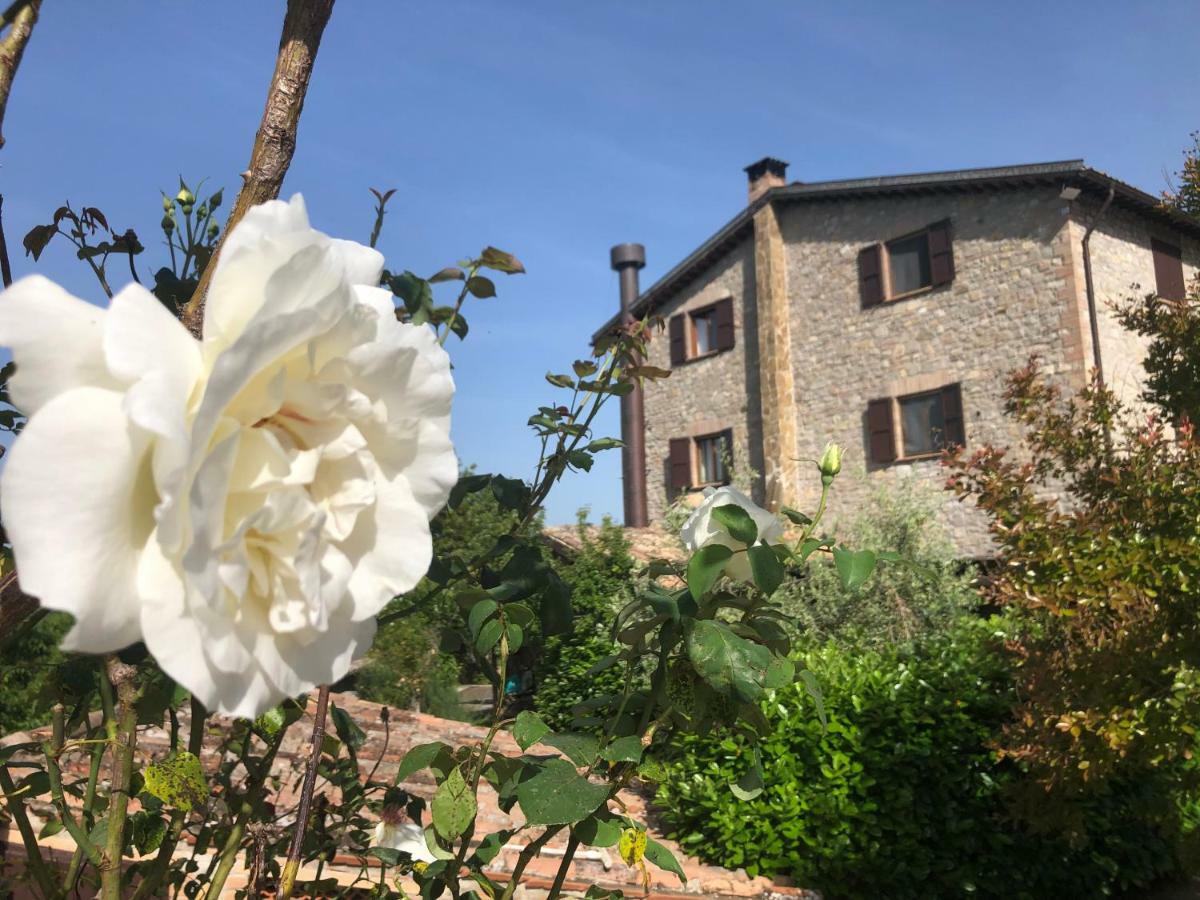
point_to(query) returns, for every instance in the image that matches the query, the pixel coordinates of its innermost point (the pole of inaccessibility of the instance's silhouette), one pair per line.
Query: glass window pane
(713, 452)
(922, 424)
(706, 332)
(908, 261)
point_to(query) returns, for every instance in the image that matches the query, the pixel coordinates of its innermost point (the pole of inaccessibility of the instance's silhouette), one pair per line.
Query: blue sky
(555, 130)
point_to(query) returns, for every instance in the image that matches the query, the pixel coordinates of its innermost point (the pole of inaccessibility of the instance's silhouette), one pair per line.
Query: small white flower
(405, 837)
(245, 504)
(701, 529)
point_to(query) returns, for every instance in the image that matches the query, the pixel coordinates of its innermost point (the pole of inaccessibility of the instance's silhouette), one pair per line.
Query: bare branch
(12, 47)
(275, 142)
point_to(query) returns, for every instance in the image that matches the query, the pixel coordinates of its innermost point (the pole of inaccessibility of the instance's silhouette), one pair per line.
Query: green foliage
(901, 796)
(599, 577)
(31, 667)
(1185, 196)
(902, 603)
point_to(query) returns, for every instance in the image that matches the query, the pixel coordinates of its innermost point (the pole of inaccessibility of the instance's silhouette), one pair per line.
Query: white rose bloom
(701, 529)
(245, 504)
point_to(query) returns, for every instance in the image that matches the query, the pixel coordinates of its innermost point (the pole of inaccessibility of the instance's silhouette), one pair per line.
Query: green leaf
(652, 769)
(602, 829)
(450, 273)
(556, 612)
(480, 613)
(467, 484)
(177, 780)
(270, 722)
(518, 614)
(580, 459)
(511, 493)
(854, 567)
(766, 569)
(781, 671)
(389, 856)
(731, 665)
(346, 728)
(583, 367)
(810, 546)
(453, 807)
(603, 664)
(795, 516)
(664, 859)
(750, 785)
(737, 522)
(489, 636)
(37, 239)
(489, 848)
(581, 749)
(605, 443)
(481, 287)
(422, 756)
(52, 827)
(459, 326)
(147, 830)
(625, 749)
(705, 567)
(528, 729)
(814, 690)
(499, 261)
(562, 381)
(516, 637)
(558, 795)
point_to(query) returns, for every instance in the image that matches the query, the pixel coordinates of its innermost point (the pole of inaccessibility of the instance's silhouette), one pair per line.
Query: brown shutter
(724, 311)
(870, 275)
(681, 464)
(678, 340)
(941, 254)
(1168, 270)
(881, 433)
(952, 415)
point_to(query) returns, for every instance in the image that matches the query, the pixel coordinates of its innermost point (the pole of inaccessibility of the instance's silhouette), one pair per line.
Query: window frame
(898, 410)
(709, 314)
(889, 294)
(725, 436)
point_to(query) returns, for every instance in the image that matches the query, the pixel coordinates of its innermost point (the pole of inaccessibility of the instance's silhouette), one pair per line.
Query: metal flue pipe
(627, 259)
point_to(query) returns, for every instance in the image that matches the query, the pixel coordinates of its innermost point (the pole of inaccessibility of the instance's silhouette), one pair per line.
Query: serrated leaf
(765, 568)
(528, 729)
(581, 749)
(705, 567)
(854, 567)
(731, 665)
(453, 807)
(177, 781)
(624, 749)
(419, 757)
(737, 522)
(558, 795)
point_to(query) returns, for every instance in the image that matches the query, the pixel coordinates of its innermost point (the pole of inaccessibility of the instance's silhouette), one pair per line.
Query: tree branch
(12, 46)
(275, 142)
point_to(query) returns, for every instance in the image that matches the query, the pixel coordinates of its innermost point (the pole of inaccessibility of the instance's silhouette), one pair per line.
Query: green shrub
(599, 577)
(900, 604)
(901, 796)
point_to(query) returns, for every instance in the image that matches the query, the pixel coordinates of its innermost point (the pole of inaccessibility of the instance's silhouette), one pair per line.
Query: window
(908, 264)
(699, 461)
(1168, 270)
(918, 424)
(701, 332)
(903, 266)
(712, 459)
(704, 332)
(922, 424)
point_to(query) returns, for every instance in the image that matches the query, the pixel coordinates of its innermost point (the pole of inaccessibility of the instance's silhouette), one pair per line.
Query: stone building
(883, 314)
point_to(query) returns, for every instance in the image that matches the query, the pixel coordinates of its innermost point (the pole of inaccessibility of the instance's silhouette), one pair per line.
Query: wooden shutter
(941, 254)
(870, 275)
(678, 340)
(952, 415)
(1168, 270)
(680, 464)
(882, 434)
(724, 311)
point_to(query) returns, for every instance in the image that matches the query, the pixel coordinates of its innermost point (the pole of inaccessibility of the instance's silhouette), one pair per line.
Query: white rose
(245, 504)
(701, 529)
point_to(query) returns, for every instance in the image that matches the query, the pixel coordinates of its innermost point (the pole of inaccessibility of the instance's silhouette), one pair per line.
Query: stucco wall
(711, 394)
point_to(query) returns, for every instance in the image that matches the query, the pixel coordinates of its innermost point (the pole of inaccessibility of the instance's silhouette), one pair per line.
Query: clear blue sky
(555, 130)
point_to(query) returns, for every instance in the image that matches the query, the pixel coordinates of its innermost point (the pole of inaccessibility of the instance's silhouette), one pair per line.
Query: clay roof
(386, 746)
(645, 544)
(1072, 172)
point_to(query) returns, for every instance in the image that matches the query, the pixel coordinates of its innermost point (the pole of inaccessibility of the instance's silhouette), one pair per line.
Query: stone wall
(711, 394)
(1122, 267)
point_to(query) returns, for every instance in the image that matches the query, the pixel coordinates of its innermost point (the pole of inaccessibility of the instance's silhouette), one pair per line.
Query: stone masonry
(808, 357)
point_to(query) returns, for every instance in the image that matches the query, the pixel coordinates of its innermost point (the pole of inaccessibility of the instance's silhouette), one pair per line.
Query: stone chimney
(765, 174)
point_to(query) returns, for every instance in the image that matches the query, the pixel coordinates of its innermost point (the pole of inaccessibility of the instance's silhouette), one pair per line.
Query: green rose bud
(831, 461)
(185, 197)
(168, 223)
(168, 204)
(202, 211)
(215, 200)
(213, 228)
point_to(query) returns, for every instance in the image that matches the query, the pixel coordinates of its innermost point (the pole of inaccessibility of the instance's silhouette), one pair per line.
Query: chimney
(627, 259)
(765, 174)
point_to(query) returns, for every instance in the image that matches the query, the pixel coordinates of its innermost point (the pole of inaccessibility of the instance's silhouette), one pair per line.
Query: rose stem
(123, 736)
(287, 882)
(275, 142)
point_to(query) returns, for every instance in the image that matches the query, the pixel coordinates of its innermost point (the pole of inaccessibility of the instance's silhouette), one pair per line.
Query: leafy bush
(901, 603)
(901, 795)
(599, 579)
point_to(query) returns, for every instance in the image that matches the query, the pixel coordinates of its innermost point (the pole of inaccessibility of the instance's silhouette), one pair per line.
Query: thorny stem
(89, 800)
(288, 879)
(458, 305)
(123, 735)
(16, 808)
(275, 142)
(561, 875)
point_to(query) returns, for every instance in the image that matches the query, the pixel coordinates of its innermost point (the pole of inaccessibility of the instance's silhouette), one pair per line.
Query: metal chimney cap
(628, 255)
